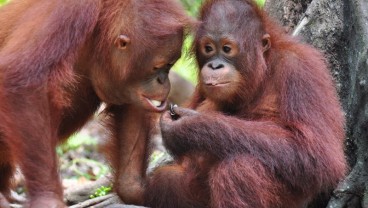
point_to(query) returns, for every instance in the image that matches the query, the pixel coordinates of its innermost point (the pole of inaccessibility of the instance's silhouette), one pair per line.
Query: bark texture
(340, 29)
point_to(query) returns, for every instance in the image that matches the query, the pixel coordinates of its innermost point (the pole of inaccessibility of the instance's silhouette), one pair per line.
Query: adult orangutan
(267, 127)
(59, 60)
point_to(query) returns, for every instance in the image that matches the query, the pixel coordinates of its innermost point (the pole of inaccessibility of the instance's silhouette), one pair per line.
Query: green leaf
(77, 140)
(3, 2)
(102, 191)
(186, 65)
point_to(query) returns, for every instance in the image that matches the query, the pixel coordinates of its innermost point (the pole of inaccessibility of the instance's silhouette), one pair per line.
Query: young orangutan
(59, 60)
(266, 126)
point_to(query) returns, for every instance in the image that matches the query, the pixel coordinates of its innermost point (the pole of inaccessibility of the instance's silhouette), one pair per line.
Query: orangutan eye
(226, 49)
(208, 49)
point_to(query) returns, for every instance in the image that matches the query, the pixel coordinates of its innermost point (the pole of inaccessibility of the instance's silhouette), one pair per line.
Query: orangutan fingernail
(173, 114)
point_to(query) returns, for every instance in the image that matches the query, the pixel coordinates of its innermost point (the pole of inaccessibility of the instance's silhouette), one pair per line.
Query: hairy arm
(38, 53)
(225, 136)
(127, 149)
(221, 135)
(44, 40)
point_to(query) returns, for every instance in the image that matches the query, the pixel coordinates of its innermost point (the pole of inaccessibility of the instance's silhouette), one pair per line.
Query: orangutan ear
(122, 42)
(266, 42)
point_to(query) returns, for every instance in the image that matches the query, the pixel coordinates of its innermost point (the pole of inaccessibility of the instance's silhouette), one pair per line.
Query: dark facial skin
(225, 60)
(219, 78)
(154, 87)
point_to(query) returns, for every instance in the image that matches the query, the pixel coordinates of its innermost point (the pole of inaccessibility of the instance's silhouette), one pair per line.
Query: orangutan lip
(217, 84)
(157, 104)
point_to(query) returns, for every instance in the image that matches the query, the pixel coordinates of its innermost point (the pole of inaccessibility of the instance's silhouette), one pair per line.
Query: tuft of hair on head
(161, 18)
(142, 20)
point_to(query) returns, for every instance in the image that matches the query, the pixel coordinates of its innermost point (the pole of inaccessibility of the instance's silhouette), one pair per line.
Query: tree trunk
(340, 29)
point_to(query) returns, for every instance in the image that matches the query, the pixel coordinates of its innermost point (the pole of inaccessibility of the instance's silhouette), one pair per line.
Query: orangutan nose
(162, 78)
(215, 65)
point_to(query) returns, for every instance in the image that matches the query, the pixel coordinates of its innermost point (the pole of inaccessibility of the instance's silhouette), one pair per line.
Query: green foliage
(3, 2)
(261, 2)
(192, 6)
(77, 147)
(100, 168)
(186, 65)
(102, 191)
(76, 141)
(156, 156)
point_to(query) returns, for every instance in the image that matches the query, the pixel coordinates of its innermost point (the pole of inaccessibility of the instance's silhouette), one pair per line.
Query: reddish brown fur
(277, 142)
(58, 62)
